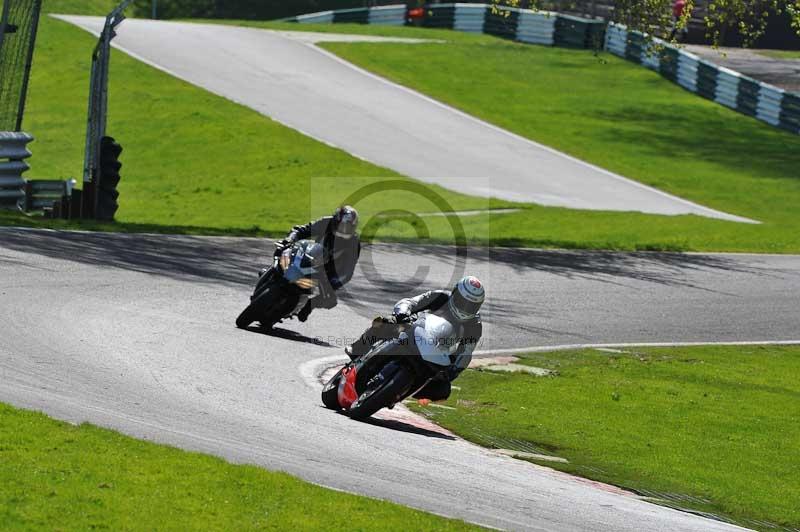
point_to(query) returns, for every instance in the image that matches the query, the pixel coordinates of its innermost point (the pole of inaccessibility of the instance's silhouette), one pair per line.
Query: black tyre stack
(110, 166)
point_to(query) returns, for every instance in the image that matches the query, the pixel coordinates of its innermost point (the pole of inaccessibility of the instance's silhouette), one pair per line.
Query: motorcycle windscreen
(435, 338)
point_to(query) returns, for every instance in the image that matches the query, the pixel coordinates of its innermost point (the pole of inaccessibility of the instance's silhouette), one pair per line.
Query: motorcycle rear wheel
(397, 382)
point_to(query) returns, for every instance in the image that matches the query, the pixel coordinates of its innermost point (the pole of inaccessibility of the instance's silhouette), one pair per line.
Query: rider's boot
(304, 312)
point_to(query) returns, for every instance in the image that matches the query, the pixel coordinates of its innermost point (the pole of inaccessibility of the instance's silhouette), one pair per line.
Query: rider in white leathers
(460, 307)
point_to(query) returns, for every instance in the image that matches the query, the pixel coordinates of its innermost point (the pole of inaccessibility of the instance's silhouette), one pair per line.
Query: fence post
(98, 110)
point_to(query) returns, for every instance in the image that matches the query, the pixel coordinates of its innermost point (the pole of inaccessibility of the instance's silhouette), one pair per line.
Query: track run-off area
(286, 77)
(136, 333)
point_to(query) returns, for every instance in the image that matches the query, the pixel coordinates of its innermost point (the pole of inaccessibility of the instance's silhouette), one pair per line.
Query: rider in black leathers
(342, 246)
(452, 305)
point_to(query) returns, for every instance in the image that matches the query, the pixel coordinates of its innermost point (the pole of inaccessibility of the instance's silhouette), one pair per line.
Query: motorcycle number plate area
(435, 339)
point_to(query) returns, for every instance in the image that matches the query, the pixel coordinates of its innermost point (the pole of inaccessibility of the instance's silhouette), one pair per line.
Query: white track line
(569, 347)
(312, 369)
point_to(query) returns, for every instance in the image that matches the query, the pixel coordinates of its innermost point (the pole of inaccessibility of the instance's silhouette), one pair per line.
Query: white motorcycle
(392, 370)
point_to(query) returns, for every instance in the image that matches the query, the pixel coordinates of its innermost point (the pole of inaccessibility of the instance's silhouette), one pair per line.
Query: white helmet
(467, 298)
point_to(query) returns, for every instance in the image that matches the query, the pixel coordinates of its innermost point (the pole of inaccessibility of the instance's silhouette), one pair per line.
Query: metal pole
(88, 157)
(155, 9)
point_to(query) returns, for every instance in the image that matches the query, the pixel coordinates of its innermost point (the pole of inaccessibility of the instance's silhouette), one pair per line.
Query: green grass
(719, 423)
(191, 159)
(781, 54)
(79, 7)
(621, 117)
(58, 476)
(198, 163)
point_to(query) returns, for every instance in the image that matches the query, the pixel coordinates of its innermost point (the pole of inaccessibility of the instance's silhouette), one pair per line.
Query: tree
(655, 17)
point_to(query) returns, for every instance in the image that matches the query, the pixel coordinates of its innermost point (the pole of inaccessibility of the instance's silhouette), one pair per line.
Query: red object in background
(416, 13)
(678, 7)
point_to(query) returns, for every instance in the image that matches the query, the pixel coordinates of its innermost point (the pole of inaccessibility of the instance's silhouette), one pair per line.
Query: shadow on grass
(685, 131)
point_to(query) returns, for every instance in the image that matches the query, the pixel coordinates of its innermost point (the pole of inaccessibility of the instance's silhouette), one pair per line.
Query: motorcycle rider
(460, 306)
(338, 236)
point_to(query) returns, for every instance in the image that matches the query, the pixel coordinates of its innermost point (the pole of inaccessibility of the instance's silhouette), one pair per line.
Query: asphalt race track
(284, 76)
(136, 333)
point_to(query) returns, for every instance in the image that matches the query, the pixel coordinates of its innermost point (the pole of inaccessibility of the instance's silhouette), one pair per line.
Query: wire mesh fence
(98, 93)
(18, 25)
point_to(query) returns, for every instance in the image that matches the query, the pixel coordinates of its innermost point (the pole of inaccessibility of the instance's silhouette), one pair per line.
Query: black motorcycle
(393, 370)
(284, 289)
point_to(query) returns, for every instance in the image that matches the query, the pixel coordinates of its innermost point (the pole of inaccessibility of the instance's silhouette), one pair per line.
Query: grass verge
(191, 159)
(621, 117)
(58, 476)
(781, 54)
(186, 169)
(79, 7)
(709, 428)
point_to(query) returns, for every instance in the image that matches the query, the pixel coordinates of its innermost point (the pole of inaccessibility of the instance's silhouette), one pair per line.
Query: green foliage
(655, 17)
(56, 476)
(718, 423)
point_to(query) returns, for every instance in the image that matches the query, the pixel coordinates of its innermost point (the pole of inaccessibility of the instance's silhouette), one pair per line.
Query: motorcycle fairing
(347, 394)
(435, 338)
(297, 269)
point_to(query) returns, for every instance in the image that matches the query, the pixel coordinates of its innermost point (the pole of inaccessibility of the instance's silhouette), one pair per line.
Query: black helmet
(466, 299)
(345, 221)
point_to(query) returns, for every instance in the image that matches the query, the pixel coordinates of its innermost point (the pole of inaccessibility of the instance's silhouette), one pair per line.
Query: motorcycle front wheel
(330, 393)
(394, 380)
(260, 309)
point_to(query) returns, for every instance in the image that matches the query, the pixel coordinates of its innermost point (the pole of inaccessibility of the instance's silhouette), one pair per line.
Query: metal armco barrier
(501, 22)
(524, 25)
(748, 96)
(443, 15)
(13, 152)
(358, 15)
(790, 112)
(43, 194)
(576, 32)
(323, 17)
(469, 18)
(536, 27)
(387, 15)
